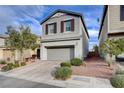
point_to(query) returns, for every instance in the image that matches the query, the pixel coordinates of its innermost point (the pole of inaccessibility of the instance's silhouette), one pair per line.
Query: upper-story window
(121, 12)
(51, 28)
(67, 25)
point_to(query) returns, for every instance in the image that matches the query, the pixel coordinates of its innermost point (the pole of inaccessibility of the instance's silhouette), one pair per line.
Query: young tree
(23, 39)
(12, 41)
(28, 40)
(111, 47)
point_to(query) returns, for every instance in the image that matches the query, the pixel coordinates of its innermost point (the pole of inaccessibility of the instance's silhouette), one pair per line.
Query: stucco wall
(2, 42)
(1, 54)
(77, 45)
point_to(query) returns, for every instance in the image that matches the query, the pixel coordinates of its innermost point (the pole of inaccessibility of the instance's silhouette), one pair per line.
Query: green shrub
(119, 71)
(2, 62)
(117, 81)
(16, 64)
(63, 73)
(10, 65)
(23, 63)
(7, 67)
(65, 64)
(76, 62)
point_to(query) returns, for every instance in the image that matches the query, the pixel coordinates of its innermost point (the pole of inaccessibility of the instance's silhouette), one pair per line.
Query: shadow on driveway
(9, 82)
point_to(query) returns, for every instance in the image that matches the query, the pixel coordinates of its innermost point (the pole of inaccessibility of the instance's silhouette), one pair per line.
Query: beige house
(6, 54)
(64, 36)
(112, 24)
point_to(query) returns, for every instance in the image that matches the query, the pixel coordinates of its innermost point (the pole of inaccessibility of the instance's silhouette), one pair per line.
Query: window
(67, 25)
(51, 28)
(121, 12)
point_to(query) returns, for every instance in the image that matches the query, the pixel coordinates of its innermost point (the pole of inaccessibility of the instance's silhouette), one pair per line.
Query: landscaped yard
(6, 66)
(94, 67)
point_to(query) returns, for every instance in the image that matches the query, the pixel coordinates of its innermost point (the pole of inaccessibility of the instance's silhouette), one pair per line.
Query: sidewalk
(74, 82)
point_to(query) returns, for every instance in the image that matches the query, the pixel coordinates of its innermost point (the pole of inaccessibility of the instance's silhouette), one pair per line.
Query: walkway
(95, 67)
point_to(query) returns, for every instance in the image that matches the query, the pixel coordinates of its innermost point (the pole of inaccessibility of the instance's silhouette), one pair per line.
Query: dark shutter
(55, 27)
(46, 32)
(72, 25)
(62, 26)
(121, 12)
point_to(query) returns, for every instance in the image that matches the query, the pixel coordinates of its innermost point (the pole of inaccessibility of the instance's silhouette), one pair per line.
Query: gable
(58, 15)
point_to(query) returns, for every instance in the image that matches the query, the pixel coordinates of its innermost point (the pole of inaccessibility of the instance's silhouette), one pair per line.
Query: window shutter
(72, 25)
(46, 32)
(55, 27)
(62, 26)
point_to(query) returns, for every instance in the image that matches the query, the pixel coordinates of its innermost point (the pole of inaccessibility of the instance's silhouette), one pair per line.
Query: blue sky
(33, 15)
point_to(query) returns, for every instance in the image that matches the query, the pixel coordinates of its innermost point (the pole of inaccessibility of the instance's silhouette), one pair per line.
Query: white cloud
(16, 15)
(93, 33)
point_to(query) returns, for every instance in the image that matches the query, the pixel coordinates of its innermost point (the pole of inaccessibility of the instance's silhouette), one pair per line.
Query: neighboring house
(64, 36)
(5, 54)
(112, 24)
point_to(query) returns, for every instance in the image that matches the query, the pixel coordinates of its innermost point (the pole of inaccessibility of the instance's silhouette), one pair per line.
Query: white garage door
(60, 53)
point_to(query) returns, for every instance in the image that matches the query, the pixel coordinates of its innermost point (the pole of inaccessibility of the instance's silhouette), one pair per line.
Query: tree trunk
(21, 55)
(110, 61)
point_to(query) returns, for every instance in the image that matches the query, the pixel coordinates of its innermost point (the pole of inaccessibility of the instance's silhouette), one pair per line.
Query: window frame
(65, 26)
(49, 32)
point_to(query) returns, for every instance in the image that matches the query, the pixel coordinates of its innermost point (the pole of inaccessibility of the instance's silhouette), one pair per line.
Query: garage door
(60, 53)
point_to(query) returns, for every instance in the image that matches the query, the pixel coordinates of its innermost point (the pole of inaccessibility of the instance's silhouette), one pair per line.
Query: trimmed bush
(23, 63)
(76, 62)
(63, 73)
(119, 71)
(9, 66)
(117, 81)
(5, 68)
(16, 65)
(65, 64)
(2, 62)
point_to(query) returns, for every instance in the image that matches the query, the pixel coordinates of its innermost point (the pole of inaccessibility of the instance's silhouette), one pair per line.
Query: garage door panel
(60, 53)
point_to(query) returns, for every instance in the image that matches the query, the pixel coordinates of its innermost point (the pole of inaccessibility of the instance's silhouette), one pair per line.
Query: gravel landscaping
(94, 67)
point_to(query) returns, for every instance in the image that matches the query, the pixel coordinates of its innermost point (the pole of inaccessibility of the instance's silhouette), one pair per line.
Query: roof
(103, 18)
(69, 13)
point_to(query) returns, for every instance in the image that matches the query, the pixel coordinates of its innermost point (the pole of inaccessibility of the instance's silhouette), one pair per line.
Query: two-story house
(64, 36)
(112, 24)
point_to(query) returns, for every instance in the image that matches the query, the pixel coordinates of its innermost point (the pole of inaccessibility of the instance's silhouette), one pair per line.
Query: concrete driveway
(41, 72)
(38, 71)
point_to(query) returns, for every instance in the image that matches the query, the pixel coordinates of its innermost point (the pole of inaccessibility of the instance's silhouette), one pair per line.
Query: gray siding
(114, 19)
(59, 34)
